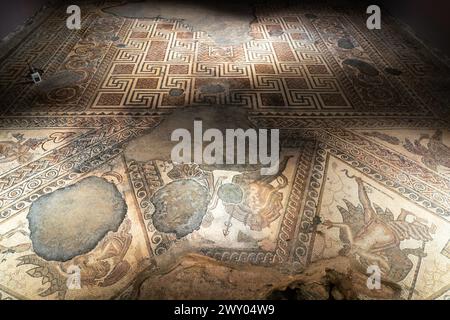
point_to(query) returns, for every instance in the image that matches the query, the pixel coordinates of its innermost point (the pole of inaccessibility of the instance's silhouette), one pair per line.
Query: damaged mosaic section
(71, 221)
(180, 207)
(226, 23)
(363, 180)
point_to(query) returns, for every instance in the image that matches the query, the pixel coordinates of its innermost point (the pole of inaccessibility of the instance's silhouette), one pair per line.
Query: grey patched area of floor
(212, 117)
(71, 221)
(226, 23)
(180, 207)
(362, 66)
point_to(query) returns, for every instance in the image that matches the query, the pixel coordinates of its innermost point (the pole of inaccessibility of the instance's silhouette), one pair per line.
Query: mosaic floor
(364, 120)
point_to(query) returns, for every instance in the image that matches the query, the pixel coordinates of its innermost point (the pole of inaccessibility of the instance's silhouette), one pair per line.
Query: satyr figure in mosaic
(372, 236)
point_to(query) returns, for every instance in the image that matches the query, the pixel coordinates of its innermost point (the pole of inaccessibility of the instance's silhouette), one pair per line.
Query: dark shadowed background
(428, 18)
(16, 12)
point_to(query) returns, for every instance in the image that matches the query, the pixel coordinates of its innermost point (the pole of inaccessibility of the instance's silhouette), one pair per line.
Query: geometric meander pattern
(360, 113)
(298, 61)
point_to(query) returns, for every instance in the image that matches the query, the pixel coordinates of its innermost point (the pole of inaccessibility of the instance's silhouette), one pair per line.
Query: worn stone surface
(198, 277)
(230, 193)
(362, 66)
(345, 43)
(59, 80)
(176, 92)
(71, 221)
(180, 207)
(212, 117)
(227, 23)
